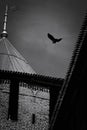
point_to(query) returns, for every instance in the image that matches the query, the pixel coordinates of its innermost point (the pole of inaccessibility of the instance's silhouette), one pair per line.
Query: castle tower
(24, 97)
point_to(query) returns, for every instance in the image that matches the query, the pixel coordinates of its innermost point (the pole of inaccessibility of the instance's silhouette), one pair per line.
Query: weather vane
(4, 32)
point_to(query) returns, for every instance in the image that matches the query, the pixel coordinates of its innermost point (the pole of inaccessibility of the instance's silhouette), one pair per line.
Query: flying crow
(54, 40)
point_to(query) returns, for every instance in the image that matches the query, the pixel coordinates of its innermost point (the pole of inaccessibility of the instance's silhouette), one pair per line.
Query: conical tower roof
(10, 58)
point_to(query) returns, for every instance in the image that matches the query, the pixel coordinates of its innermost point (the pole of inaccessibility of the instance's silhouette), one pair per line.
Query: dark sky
(29, 21)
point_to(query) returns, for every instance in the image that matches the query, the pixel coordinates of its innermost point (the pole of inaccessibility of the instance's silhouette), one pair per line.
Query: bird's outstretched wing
(54, 40)
(51, 37)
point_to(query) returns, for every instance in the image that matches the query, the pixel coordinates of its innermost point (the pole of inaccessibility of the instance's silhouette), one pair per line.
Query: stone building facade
(33, 111)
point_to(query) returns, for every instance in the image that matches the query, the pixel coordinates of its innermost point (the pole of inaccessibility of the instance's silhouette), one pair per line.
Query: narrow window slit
(13, 101)
(33, 118)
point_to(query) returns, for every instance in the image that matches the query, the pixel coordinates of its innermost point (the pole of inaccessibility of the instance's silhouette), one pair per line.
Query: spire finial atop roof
(4, 32)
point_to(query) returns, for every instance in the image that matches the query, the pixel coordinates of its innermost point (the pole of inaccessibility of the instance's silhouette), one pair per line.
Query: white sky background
(33, 19)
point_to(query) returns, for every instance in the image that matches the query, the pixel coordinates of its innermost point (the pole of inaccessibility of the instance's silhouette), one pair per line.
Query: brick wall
(33, 108)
